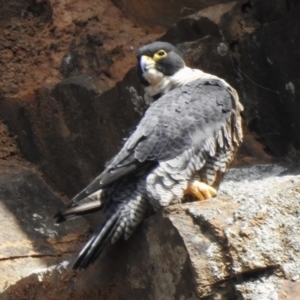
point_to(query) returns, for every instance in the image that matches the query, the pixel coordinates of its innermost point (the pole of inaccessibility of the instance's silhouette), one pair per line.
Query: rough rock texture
(29, 239)
(8, 145)
(162, 13)
(65, 128)
(62, 115)
(256, 50)
(58, 60)
(42, 42)
(242, 245)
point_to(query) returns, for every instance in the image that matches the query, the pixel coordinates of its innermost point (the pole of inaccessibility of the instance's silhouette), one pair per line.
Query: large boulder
(244, 244)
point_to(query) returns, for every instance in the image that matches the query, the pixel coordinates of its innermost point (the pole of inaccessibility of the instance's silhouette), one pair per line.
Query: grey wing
(185, 116)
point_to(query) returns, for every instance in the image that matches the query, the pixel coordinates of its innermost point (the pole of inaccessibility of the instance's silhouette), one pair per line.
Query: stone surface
(29, 239)
(162, 13)
(199, 24)
(42, 42)
(8, 144)
(244, 244)
(65, 128)
(243, 43)
(269, 66)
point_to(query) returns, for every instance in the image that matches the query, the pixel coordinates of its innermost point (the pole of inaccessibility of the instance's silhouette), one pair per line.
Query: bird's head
(158, 61)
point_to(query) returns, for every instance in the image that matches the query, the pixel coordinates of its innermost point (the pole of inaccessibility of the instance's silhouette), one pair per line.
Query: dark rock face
(71, 125)
(260, 59)
(269, 65)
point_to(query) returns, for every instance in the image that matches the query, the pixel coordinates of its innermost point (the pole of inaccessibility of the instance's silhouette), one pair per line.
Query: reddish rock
(42, 42)
(162, 13)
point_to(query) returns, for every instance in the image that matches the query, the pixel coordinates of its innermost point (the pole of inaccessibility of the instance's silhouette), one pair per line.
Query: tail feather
(76, 208)
(120, 215)
(95, 245)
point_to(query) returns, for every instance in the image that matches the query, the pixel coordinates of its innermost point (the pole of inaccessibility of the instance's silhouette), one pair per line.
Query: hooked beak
(146, 63)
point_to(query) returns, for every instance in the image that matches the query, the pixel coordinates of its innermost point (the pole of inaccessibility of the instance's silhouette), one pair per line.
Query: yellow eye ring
(159, 54)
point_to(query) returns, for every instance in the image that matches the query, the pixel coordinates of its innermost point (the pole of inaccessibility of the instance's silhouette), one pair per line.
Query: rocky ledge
(243, 244)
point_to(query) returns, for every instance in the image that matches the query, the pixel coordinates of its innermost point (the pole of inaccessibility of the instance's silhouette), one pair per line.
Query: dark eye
(161, 53)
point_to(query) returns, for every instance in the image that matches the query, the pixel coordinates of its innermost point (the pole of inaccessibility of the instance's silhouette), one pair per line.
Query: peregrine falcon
(181, 148)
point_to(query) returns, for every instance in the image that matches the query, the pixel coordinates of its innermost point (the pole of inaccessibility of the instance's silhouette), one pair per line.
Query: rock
(269, 71)
(266, 11)
(242, 47)
(235, 42)
(65, 128)
(43, 42)
(242, 245)
(158, 13)
(8, 145)
(62, 127)
(198, 25)
(30, 241)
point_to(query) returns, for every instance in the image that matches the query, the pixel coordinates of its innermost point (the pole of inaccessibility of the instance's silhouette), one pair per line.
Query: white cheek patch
(153, 76)
(161, 87)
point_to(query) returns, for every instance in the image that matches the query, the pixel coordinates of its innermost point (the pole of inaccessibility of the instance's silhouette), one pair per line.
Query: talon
(200, 190)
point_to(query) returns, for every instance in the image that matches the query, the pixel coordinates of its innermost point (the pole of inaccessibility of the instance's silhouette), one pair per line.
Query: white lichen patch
(44, 273)
(139, 102)
(291, 270)
(216, 261)
(269, 61)
(258, 290)
(222, 49)
(266, 231)
(290, 87)
(254, 183)
(205, 215)
(67, 58)
(47, 232)
(36, 216)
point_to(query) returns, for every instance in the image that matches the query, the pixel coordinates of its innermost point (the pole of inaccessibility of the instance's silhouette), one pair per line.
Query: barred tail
(121, 218)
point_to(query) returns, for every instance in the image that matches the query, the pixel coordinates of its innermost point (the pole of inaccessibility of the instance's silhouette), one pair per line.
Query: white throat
(160, 84)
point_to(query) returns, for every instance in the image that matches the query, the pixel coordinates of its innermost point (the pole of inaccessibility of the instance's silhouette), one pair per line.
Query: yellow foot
(200, 190)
